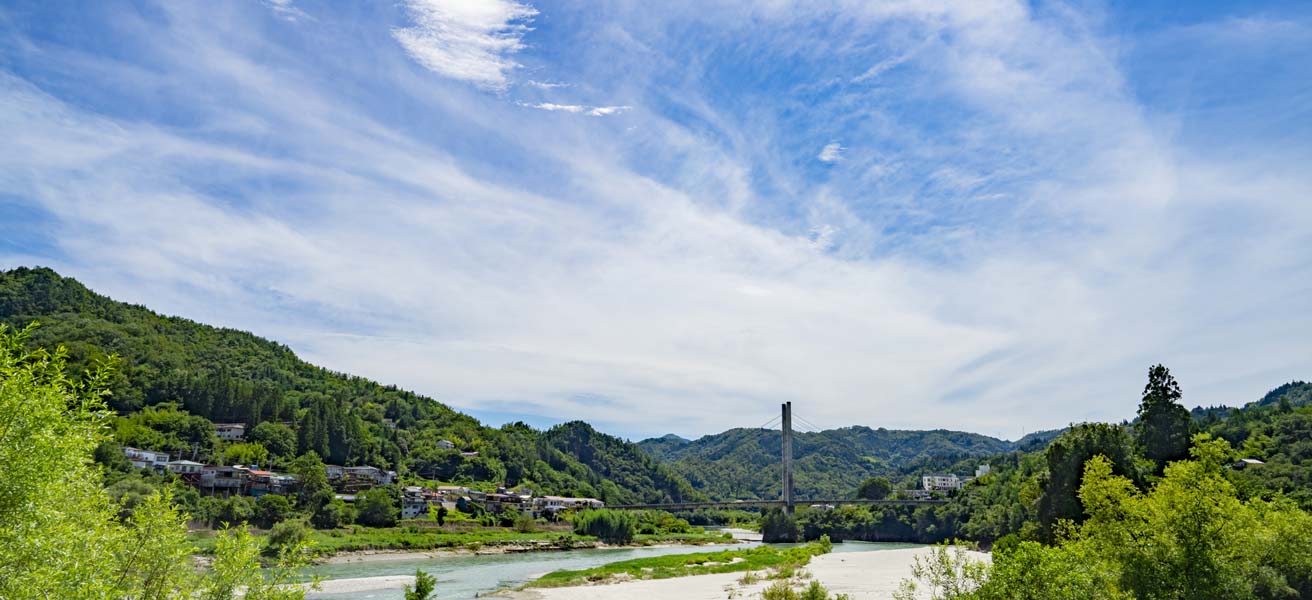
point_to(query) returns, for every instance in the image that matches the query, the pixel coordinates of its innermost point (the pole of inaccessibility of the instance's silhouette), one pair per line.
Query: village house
(147, 459)
(553, 504)
(230, 432)
(185, 467)
(267, 482)
(225, 481)
(414, 503)
(446, 444)
(374, 474)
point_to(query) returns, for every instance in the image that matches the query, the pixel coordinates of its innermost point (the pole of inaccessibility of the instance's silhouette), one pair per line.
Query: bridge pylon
(787, 427)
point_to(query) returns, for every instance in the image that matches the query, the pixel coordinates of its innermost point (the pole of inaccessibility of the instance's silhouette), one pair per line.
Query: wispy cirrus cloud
(471, 41)
(579, 109)
(1012, 234)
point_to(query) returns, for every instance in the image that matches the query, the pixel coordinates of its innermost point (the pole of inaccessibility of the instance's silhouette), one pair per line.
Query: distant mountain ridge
(743, 464)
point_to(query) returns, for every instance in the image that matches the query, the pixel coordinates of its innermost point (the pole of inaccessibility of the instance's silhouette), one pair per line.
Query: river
(464, 577)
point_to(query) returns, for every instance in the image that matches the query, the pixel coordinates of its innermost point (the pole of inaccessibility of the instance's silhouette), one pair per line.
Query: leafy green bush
(610, 526)
(284, 536)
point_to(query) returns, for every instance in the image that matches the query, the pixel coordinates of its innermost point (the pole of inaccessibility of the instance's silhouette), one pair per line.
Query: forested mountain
(743, 464)
(177, 376)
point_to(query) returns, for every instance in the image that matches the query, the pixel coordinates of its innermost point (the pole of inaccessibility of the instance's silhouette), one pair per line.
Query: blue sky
(987, 215)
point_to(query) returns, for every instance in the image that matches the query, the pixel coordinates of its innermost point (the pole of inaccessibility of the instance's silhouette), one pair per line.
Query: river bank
(870, 575)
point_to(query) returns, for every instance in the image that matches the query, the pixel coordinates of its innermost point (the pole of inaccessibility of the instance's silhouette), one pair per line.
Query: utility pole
(788, 457)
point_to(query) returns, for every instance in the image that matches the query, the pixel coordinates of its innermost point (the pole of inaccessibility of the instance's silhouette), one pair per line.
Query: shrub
(525, 524)
(271, 510)
(285, 535)
(610, 526)
(423, 588)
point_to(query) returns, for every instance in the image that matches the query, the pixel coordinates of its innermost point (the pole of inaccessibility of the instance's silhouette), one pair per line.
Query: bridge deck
(768, 503)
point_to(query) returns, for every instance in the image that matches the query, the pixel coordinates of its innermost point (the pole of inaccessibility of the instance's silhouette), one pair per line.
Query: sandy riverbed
(861, 575)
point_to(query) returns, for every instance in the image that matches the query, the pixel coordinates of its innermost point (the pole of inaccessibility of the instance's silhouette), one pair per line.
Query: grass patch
(682, 565)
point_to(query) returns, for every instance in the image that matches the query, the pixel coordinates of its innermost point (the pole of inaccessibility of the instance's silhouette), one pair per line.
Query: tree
(779, 526)
(1066, 457)
(332, 515)
(315, 491)
(60, 536)
(284, 536)
(279, 439)
(376, 508)
(1163, 427)
(245, 453)
(875, 488)
(423, 588)
(610, 526)
(272, 509)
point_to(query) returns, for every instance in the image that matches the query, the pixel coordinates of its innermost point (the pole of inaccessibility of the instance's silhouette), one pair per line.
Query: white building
(982, 470)
(413, 503)
(185, 467)
(230, 432)
(940, 483)
(147, 459)
(446, 444)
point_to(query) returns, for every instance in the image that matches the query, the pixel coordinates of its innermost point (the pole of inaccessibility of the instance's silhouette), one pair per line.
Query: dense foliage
(1189, 536)
(62, 536)
(610, 526)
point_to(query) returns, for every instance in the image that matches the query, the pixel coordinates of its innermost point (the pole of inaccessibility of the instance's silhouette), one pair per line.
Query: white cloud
(545, 85)
(287, 9)
(831, 152)
(593, 111)
(369, 249)
(469, 40)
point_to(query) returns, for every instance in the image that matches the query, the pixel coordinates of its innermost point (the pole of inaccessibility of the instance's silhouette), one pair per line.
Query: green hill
(743, 464)
(177, 375)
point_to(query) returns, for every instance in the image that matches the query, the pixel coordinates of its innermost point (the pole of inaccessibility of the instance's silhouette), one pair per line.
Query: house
(452, 490)
(982, 470)
(414, 503)
(334, 471)
(374, 474)
(446, 444)
(147, 459)
(185, 467)
(940, 483)
(267, 482)
(551, 504)
(230, 432)
(501, 502)
(223, 480)
(469, 454)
